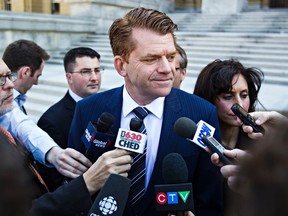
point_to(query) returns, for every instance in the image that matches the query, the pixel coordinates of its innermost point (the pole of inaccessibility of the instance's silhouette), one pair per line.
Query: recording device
(176, 194)
(215, 146)
(186, 128)
(131, 140)
(112, 198)
(99, 138)
(246, 118)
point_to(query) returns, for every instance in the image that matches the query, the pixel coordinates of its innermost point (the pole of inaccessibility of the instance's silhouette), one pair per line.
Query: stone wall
(52, 32)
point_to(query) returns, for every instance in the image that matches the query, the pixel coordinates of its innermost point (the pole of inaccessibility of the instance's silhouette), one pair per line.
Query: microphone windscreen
(113, 197)
(104, 122)
(135, 124)
(174, 169)
(185, 127)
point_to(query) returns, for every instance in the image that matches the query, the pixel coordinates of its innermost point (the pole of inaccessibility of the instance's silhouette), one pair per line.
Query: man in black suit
(83, 74)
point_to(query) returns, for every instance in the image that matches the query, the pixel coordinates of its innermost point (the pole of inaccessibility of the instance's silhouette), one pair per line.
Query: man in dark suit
(143, 45)
(83, 74)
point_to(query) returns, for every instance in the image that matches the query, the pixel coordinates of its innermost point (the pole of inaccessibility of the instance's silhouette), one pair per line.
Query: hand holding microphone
(116, 161)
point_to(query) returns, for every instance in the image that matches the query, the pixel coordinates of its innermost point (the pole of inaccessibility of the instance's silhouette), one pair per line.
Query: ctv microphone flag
(112, 198)
(176, 194)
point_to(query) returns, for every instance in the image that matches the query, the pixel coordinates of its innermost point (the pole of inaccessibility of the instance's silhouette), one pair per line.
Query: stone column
(223, 6)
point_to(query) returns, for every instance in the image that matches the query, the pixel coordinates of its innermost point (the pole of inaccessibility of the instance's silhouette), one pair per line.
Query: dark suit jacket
(205, 177)
(57, 119)
(56, 122)
(69, 199)
(19, 188)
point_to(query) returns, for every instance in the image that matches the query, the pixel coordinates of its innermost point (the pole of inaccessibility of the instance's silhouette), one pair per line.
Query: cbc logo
(108, 205)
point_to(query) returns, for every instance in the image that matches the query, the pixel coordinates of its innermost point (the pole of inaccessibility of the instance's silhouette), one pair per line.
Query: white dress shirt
(153, 124)
(22, 128)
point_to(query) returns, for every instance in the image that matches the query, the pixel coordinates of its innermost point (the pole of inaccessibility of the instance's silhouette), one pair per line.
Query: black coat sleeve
(69, 199)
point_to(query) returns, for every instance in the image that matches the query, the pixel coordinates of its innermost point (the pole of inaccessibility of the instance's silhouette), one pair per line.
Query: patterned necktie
(33, 169)
(138, 168)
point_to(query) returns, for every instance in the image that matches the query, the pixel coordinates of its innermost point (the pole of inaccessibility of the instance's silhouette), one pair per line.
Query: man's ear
(119, 64)
(69, 77)
(183, 74)
(23, 72)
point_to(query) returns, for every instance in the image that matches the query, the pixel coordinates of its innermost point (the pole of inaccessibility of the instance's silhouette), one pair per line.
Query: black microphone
(112, 198)
(176, 194)
(201, 135)
(99, 138)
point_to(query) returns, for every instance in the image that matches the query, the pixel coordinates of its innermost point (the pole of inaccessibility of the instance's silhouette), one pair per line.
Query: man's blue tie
(138, 168)
(21, 100)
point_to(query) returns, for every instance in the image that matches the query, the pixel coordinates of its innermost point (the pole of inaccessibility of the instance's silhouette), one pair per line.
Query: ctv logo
(172, 197)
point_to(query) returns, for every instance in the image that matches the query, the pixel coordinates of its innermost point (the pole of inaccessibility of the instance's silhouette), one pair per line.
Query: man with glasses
(180, 66)
(67, 161)
(83, 74)
(27, 59)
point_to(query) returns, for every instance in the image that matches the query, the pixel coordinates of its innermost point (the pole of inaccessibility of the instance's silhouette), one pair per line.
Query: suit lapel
(114, 106)
(172, 111)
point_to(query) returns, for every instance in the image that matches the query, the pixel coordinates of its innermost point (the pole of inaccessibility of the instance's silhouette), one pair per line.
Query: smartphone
(216, 147)
(246, 118)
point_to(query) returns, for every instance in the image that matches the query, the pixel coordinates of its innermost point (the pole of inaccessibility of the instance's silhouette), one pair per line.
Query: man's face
(26, 81)
(150, 71)
(6, 91)
(84, 85)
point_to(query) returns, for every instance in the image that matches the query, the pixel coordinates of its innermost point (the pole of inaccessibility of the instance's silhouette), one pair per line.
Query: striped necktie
(138, 168)
(20, 148)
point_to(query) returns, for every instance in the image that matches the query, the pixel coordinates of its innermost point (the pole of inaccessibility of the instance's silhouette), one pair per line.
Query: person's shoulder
(101, 96)
(191, 98)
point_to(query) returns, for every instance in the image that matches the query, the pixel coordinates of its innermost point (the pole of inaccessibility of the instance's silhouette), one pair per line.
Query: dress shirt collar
(19, 98)
(156, 107)
(75, 96)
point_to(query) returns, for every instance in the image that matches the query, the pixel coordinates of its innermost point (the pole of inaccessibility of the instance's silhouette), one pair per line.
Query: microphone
(201, 135)
(99, 138)
(112, 198)
(131, 140)
(176, 194)
(187, 128)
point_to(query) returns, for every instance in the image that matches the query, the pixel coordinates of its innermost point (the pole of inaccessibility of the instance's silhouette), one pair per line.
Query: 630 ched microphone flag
(130, 139)
(98, 138)
(176, 194)
(112, 198)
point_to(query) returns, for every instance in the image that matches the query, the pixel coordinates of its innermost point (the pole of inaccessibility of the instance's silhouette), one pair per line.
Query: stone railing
(52, 32)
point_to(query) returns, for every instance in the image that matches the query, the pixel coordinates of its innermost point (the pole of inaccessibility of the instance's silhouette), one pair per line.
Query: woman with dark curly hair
(224, 83)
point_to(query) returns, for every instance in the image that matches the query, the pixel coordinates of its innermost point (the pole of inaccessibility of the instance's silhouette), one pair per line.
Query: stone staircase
(256, 38)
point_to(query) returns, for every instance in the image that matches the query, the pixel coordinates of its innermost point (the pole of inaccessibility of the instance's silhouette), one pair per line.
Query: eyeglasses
(89, 72)
(11, 76)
